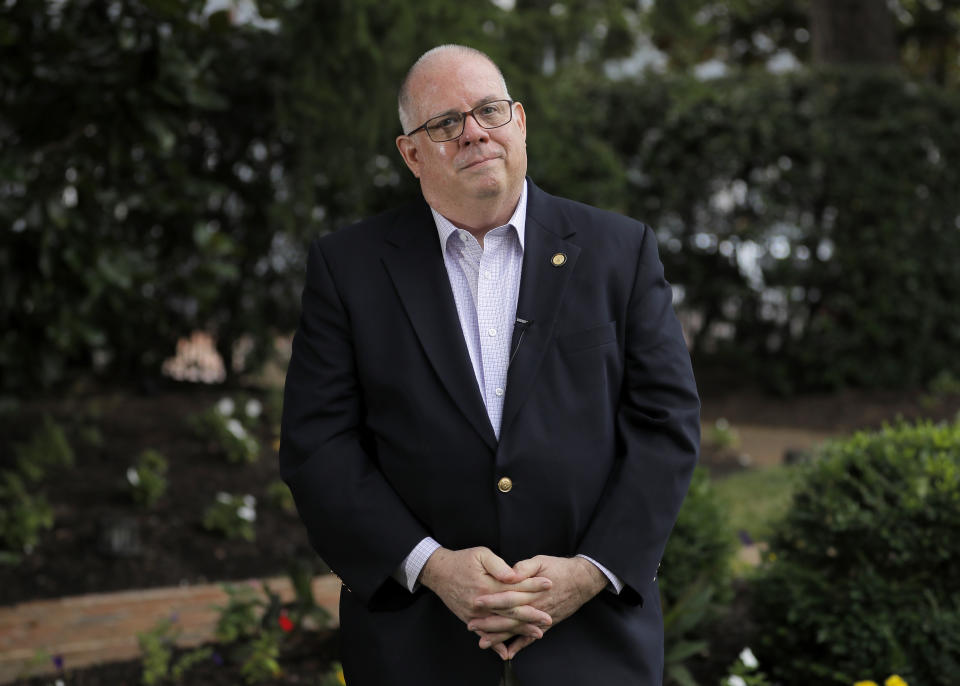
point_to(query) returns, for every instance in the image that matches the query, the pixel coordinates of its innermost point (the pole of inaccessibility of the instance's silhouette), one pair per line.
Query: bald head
(406, 101)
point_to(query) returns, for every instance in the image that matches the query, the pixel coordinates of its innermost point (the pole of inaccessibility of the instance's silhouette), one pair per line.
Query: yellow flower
(866, 683)
(895, 680)
(340, 675)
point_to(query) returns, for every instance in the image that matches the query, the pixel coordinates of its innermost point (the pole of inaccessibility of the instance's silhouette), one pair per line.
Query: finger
(526, 614)
(525, 569)
(496, 567)
(493, 639)
(501, 650)
(517, 646)
(497, 624)
(507, 599)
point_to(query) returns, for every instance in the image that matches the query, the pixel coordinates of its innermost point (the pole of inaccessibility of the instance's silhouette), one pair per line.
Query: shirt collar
(518, 221)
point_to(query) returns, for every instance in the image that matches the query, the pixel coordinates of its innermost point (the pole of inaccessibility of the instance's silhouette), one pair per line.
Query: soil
(93, 496)
(173, 546)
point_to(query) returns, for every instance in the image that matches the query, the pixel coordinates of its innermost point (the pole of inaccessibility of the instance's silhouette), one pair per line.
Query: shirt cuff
(409, 570)
(615, 584)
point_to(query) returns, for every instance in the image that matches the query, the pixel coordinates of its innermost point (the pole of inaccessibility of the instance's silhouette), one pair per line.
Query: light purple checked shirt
(486, 284)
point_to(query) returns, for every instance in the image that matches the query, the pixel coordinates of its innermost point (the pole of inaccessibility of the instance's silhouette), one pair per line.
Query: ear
(410, 153)
(521, 118)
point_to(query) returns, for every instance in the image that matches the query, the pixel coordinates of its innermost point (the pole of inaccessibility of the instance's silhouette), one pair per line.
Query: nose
(473, 132)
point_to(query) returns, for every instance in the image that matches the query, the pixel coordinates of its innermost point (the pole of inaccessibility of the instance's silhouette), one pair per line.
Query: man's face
(482, 163)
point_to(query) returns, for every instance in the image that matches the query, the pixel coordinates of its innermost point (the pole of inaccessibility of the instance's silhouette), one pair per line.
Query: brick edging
(102, 627)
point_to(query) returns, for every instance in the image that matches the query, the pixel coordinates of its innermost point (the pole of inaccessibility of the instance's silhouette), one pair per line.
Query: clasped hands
(497, 601)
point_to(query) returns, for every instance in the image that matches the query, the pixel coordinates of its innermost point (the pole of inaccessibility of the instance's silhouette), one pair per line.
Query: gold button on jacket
(505, 484)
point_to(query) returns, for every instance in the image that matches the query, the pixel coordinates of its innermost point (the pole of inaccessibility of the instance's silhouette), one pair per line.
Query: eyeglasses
(447, 127)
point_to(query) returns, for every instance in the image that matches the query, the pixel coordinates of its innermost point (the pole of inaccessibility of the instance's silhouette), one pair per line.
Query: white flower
(249, 500)
(224, 498)
(253, 408)
(736, 681)
(748, 659)
(236, 428)
(133, 476)
(58, 682)
(225, 406)
(247, 513)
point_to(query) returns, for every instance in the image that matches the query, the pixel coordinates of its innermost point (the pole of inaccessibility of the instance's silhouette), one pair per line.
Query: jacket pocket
(588, 338)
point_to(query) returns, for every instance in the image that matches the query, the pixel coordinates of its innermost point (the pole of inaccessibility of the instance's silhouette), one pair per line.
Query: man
(490, 418)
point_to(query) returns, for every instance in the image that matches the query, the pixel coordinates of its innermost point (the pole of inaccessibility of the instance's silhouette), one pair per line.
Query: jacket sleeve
(658, 433)
(355, 520)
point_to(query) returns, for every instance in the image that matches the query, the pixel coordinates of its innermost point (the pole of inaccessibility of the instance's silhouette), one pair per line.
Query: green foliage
(861, 577)
(722, 435)
(227, 430)
(836, 186)
(157, 650)
(279, 495)
(23, 516)
(137, 202)
(183, 162)
(240, 617)
(147, 480)
(694, 576)
(232, 516)
(262, 658)
(187, 661)
(683, 621)
(25, 512)
(48, 449)
(700, 546)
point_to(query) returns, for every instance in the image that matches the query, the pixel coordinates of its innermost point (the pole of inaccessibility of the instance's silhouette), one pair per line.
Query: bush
(694, 575)
(48, 449)
(147, 479)
(861, 576)
(23, 516)
(227, 431)
(810, 219)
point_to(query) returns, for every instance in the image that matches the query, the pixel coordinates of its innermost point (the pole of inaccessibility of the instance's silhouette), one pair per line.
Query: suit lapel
(542, 286)
(415, 264)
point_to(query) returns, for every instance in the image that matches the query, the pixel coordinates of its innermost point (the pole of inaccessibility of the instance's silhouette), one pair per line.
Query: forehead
(454, 82)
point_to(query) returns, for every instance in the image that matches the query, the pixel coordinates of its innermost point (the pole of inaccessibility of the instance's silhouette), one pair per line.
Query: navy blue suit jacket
(386, 440)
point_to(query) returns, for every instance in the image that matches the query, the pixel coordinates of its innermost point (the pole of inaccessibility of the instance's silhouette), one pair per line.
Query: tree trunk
(852, 32)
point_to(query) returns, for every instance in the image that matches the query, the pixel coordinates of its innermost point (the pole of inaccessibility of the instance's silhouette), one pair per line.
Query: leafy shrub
(700, 546)
(48, 448)
(694, 575)
(240, 617)
(838, 186)
(233, 516)
(279, 495)
(147, 480)
(861, 576)
(157, 648)
(226, 430)
(23, 515)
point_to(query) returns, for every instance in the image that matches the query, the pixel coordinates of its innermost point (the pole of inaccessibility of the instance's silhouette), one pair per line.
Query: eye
(445, 122)
(489, 109)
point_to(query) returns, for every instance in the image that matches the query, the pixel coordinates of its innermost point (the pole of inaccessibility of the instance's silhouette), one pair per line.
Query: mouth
(477, 163)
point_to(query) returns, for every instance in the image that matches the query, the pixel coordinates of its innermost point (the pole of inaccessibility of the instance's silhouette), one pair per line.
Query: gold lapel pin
(559, 259)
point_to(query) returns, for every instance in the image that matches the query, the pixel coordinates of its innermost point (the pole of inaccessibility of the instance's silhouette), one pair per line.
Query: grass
(755, 498)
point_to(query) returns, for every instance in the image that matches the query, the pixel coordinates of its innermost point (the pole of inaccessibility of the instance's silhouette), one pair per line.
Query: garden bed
(171, 545)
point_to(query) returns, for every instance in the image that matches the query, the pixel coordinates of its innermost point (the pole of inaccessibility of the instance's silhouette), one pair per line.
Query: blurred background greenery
(164, 163)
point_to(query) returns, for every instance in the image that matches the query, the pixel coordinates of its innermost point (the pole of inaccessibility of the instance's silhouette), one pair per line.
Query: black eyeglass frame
(463, 120)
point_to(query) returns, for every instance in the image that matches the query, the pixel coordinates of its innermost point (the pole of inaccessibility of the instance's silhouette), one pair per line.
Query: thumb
(495, 566)
(527, 568)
